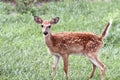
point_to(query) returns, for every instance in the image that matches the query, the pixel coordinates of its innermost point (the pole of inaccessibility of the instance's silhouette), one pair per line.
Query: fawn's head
(46, 24)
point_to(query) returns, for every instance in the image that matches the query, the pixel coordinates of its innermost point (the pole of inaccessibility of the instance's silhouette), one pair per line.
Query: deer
(63, 44)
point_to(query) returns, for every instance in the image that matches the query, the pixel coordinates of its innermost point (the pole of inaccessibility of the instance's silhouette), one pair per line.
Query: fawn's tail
(106, 30)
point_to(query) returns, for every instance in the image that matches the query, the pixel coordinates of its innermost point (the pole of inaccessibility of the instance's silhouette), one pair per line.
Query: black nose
(45, 33)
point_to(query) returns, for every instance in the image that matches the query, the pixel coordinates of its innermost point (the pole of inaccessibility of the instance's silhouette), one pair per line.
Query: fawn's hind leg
(95, 60)
(93, 70)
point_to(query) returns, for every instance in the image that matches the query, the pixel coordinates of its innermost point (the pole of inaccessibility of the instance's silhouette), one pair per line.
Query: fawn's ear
(54, 20)
(38, 20)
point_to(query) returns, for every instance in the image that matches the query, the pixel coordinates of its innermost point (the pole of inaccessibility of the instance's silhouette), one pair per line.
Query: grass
(23, 53)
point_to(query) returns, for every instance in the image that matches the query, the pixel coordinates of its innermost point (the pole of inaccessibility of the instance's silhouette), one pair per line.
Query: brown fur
(104, 32)
(63, 43)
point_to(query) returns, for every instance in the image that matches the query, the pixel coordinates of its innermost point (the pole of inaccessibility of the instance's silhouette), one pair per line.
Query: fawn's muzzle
(45, 33)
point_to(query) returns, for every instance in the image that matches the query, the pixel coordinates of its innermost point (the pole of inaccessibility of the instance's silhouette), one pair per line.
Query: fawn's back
(75, 42)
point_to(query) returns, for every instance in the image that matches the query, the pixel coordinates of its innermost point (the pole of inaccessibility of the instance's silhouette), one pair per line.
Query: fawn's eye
(49, 26)
(41, 25)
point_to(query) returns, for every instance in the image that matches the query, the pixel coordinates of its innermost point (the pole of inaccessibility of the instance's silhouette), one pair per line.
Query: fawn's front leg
(55, 62)
(65, 61)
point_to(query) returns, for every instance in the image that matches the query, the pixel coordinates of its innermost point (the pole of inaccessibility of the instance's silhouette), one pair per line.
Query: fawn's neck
(48, 40)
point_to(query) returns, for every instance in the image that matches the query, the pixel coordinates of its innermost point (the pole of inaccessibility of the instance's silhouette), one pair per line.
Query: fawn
(66, 43)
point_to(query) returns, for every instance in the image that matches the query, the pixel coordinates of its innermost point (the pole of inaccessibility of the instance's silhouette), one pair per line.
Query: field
(23, 53)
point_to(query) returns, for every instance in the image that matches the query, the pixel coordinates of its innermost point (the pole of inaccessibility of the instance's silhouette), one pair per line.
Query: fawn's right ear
(38, 20)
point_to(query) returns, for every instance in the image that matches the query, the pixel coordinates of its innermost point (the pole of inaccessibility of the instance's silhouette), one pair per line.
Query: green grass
(23, 53)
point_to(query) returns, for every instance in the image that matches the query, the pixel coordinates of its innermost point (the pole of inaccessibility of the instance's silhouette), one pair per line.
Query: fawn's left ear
(54, 20)
(38, 20)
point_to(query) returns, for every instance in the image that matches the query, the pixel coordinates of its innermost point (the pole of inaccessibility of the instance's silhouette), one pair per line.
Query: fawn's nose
(45, 33)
